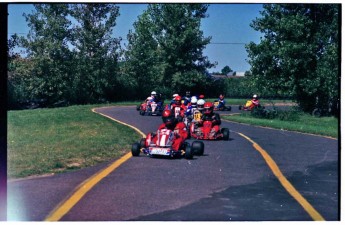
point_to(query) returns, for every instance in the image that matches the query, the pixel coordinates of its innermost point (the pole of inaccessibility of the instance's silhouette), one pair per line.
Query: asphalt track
(233, 181)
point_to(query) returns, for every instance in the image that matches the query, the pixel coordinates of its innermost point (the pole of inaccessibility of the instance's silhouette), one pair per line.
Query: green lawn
(327, 126)
(44, 141)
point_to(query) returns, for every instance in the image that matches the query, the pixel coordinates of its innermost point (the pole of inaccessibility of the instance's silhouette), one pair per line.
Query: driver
(178, 109)
(255, 100)
(221, 101)
(179, 128)
(209, 115)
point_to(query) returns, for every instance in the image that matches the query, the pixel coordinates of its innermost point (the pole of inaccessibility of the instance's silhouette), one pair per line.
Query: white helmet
(194, 100)
(174, 96)
(153, 93)
(200, 104)
(255, 96)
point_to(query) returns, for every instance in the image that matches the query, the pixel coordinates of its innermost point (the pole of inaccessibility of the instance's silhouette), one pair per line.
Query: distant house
(229, 75)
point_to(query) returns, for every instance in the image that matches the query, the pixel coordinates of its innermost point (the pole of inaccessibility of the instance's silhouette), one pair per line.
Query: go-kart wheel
(142, 142)
(226, 133)
(188, 152)
(142, 113)
(228, 108)
(240, 107)
(316, 112)
(136, 149)
(198, 147)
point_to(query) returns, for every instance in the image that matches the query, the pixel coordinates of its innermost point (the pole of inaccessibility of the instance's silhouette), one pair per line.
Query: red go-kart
(151, 109)
(163, 146)
(205, 132)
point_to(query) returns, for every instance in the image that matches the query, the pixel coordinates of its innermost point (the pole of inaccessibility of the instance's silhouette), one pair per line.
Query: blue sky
(227, 24)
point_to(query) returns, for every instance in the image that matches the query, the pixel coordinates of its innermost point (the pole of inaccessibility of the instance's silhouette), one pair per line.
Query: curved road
(255, 176)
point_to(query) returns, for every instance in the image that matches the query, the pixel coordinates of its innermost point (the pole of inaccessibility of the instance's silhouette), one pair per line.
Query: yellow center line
(285, 183)
(65, 206)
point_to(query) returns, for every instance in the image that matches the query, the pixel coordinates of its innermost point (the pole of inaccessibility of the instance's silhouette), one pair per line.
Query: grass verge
(305, 123)
(43, 141)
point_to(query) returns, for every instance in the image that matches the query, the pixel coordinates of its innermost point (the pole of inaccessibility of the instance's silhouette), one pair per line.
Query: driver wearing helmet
(200, 105)
(255, 100)
(209, 115)
(153, 95)
(179, 128)
(192, 106)
(187, 99)
(221, 101)
(178, 109)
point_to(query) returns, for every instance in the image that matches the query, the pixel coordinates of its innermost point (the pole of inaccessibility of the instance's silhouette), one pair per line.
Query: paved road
(232, 181)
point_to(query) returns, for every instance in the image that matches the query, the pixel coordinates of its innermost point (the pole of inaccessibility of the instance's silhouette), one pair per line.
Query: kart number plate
(159, 151)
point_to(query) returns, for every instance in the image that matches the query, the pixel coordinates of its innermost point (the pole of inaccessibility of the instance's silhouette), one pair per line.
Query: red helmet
(178, 100)
(168, 118)
(208, 108)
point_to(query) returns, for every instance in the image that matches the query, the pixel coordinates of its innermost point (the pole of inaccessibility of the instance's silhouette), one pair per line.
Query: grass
(326, 126)
(45, 141)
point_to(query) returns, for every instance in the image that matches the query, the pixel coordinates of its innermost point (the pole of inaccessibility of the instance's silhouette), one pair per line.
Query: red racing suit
(178, 111)
(255, 102)
(180, 131)
(215, 118)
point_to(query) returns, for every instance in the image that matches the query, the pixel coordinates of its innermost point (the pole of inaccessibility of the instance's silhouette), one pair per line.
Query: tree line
(71, 55)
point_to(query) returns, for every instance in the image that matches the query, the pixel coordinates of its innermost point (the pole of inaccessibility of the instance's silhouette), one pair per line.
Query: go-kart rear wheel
(240, 107)
(226, 133)
(188, 152)
(198, 147)
(141, 112)
(136, 149)
(142, 142)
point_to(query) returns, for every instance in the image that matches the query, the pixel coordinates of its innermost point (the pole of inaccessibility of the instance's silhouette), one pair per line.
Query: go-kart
(152, 109)
(205, 132)
(163, 146)
(249, 106)
(194, 117)
(222, 108)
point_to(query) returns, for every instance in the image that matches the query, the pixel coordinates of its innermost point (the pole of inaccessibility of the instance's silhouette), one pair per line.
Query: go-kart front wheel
(226, 133)
(136, 149)
(198, 147)
(188, 152)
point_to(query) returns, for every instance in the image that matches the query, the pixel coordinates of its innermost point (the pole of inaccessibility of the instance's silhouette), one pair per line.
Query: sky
(227, 24)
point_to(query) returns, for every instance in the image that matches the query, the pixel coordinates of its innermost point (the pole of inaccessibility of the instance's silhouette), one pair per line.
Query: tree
(96, 52)
(48, 52)
(298, 54)
(167, 47)
(226, 70)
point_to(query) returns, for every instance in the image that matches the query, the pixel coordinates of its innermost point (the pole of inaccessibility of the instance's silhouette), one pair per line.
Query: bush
(284, 115)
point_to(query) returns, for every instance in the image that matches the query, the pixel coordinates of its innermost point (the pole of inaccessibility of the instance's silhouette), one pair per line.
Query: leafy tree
(48, 52)
(96, 52)
(299, 53)
(143, 63)
(166, 49)
(226, 70)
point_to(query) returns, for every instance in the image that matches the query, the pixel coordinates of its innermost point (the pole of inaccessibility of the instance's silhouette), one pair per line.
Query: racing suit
(179, 111)
(180, 132)
(215, 118)
(221, 103)
(255, 102)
